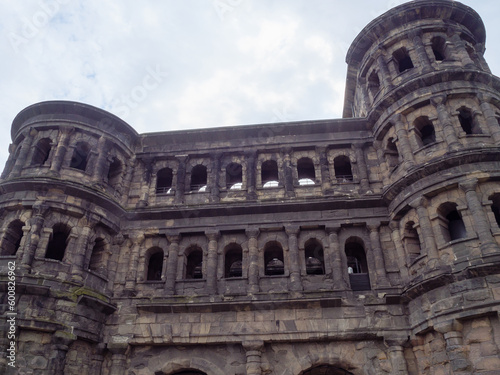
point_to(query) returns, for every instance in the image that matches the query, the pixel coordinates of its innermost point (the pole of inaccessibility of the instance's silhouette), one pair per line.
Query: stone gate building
(363, 245)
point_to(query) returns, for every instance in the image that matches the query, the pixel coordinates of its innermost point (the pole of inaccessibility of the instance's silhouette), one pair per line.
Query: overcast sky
(168, 65)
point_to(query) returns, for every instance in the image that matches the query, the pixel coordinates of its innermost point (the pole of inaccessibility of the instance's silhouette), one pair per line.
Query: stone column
(20, 252)
(324, 169)
(101, 162)
(118, 358)
(420, 205)
(253, 264)
(384, 170)
(146, 181)
(460, 49)
(423, 58)
(61, 340)
(287, 172)
(127, 178)
(251, 180)
(446, 121)
(113, 261)
(385, 74)
(97, 360)
(23, 154)
(418, 347)
(491, 120)
(253, 351)
(80, 255)
(364, 94)
(131, 277)
(211, 267)
(215, 188)
(402, 258)
(36, 223)
(173, 254)
(293, 248)
(61, 149)
(181, 179)
(481, 222)
(362, 169)
(378, 256)
(404, 143)
(396, 355)
(339, 260)
(455, 349)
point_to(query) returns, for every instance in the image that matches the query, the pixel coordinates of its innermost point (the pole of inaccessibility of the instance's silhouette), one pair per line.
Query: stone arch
(41, 151)
(327, 358)
(269, 237)
(13, 237)
(194, 363)
(346, 156)
(233, 260)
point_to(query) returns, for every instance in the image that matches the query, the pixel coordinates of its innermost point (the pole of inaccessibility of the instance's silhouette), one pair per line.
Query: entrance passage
(326, 370)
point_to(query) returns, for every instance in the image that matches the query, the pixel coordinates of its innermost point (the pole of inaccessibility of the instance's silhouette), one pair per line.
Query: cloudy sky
(168, 65)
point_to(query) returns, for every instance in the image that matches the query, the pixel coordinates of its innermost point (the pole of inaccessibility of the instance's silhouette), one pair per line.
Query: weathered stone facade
(364, 245)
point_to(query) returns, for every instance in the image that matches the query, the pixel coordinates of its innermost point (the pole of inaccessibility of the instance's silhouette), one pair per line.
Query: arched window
(194, 262)
(357, 267)
(343, 170)
(495, 207)
(269, 174)
(114, 172)
(58, 241)
(403, 60)
(12, 239)
(326, 370)
(439, 48)
(164, 181)
(155, 264)
(411, 240)
(80, 156)
(305, 171)
(98, 256)
(233, 261)
(234, 176)
(425, 130)
(392, 153)
(452, 225)
(468, 122)
(314, 257)
(273, 259)
(199, 178)
(41, 152)
(373, 84)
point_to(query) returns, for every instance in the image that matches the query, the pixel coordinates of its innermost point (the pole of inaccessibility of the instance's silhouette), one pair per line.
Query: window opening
(42, 151)
(466, 118)
(199, 178)
(403, 59)
(164, 181)
(96, 263)
(314, 258)
(57, 244)
(233, 262)
(114, 172)
(155, 265)
(234, 176)
(343, 170)
(438, 48)
(326, 370)
(373, 83)
(273, 259)
(269, 174)
(425, 130)
(451, 222)
(411, 240)
(12, 239)
(194, 264)
(495, 207)
(80, 156)
(356, 265)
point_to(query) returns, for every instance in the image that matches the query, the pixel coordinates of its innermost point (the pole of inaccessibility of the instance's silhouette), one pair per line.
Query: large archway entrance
(326, 370)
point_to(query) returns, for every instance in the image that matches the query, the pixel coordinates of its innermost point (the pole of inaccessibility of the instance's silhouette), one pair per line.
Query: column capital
(419, 202)
(449, 326)
(292, 230)
(332, 229)
(253, 345)
(212, 235)
(397, 119)
(173, 238)
(438, 100)
(394, 225)
(485, 98)
(252, 232)
(468, 185)
(373, 227)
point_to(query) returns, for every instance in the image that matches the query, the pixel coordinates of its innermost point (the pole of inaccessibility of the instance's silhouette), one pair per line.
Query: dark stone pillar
(324, 169)
(36, 222)
(293, 248)
(131, 278)
(444, 117)
(385, 74)
(173, 254)
(253, 351)
(480, 220)
(253, 267)
(181, 179)
(61, 149)
(362, 169)
(212, 256)
(491, 120)
(215, 188)
(402, 259)
(339, 260)
(423, 58)
(23, 154)
(460, 50)
(288, 174)
(251, 180)
(404, 144)
(127, 178)
(80, 255)
(147, 164)
(378, 256)
(61, 340)
(396, 355)
(455, 349)
(420, 205)
(118, 358)
(102, 163)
